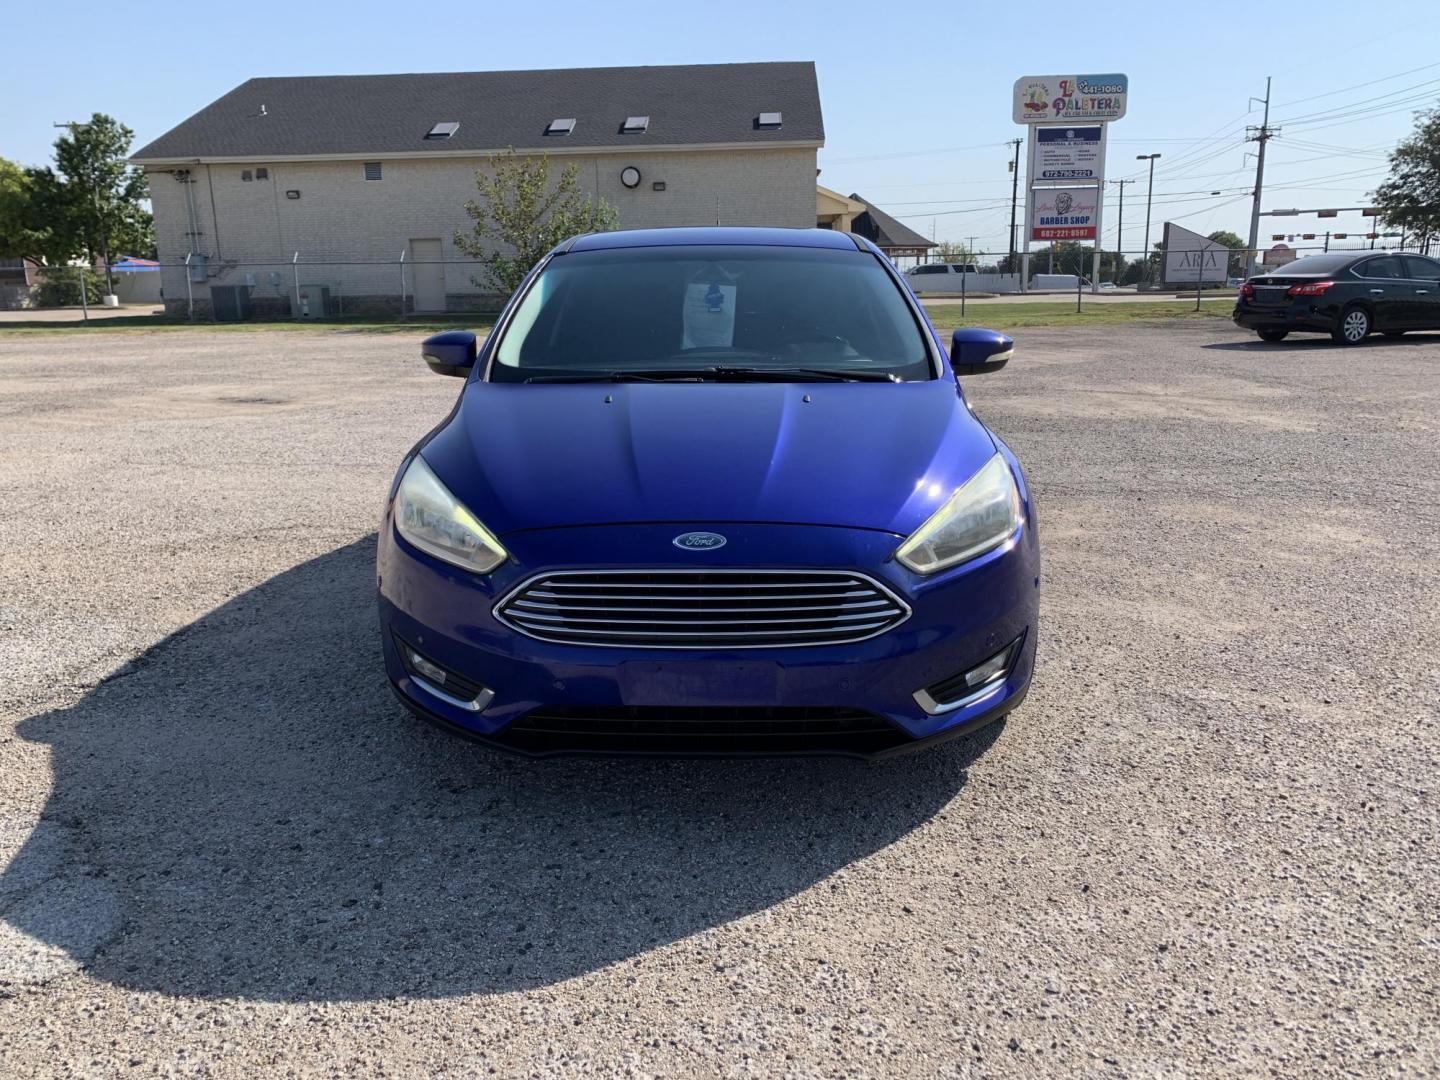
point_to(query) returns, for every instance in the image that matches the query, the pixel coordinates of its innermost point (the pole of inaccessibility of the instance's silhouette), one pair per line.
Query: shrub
(61, 287)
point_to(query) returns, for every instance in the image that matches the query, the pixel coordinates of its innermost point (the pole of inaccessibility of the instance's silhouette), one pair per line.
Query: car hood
(860, 455)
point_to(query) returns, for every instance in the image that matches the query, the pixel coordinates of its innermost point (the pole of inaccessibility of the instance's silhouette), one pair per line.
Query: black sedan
(1348, 296)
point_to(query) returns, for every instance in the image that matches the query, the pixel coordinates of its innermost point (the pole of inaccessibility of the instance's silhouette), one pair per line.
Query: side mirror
(450, 353)
(974, 352)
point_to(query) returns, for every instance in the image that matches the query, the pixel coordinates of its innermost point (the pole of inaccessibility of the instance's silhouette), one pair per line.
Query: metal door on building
(428, 275)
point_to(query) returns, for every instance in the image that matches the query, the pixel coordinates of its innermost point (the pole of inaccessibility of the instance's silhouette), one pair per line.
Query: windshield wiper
(623, 376)
(802, 374)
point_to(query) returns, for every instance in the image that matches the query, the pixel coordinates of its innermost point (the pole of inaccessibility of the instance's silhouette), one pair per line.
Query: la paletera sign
(1063, 99)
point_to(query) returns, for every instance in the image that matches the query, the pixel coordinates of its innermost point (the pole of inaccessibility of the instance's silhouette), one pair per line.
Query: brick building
(366, 177)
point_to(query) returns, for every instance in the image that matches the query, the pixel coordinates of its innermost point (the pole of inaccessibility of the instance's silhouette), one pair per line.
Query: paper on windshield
(709, 315)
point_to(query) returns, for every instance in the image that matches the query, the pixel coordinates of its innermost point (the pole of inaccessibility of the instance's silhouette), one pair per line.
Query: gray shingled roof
(877, 226)
(390, 114)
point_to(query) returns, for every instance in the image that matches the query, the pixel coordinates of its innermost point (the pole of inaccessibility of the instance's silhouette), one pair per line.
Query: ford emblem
(699, 541)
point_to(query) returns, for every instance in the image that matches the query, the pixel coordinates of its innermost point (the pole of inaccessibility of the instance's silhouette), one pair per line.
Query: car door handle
(1377, 292)
(1422, 292)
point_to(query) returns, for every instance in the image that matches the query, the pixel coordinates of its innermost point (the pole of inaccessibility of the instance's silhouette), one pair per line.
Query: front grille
(700, 730)
(705, 609)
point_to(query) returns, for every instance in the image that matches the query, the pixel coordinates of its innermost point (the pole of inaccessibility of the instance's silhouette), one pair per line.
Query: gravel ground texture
(1205, 846)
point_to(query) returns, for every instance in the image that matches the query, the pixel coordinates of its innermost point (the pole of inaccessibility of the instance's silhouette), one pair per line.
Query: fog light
(442, 683)
(418, 664)
(970, 686)
(990, 670)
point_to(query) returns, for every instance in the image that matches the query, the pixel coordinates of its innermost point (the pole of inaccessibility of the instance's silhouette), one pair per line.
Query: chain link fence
(305, 287)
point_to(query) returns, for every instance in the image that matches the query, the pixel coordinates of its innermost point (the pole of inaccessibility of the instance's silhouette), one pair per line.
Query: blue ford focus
(711, 491)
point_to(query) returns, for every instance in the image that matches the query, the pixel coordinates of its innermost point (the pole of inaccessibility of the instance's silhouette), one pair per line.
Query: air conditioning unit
(229, 303)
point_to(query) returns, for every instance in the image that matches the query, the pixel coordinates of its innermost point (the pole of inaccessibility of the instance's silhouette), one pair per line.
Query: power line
(1363, 101)
(1357, 86)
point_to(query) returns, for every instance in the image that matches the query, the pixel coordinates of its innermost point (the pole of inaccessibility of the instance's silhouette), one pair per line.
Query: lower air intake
(700, 730)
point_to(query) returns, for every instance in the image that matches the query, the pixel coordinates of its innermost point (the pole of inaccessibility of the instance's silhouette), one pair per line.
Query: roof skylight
(768, 120)
(636, 125)
(562, 126)
(443, 130)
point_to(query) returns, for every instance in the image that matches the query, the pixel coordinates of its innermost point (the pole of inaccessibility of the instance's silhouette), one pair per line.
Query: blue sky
(916, 95)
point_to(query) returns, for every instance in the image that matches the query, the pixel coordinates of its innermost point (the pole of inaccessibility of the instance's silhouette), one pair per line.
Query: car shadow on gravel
(246, 811)
(1322, 341)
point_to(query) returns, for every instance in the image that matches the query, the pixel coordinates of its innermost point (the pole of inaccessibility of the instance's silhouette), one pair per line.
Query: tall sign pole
(1099, 229)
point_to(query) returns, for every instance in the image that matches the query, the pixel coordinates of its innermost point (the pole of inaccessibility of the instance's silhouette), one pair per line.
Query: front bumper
(958, 619)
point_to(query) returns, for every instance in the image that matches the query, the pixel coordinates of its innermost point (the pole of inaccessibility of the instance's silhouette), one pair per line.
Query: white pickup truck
(940, 277)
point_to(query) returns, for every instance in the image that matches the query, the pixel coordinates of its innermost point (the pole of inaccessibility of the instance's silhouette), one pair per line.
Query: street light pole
(1149, 197)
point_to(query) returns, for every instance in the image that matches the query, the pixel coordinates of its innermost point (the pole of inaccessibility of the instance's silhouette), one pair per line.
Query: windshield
(721, 312)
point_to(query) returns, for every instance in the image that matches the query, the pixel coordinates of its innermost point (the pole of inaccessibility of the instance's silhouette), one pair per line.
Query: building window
(262, 174)
(372, 170)
(246, 174)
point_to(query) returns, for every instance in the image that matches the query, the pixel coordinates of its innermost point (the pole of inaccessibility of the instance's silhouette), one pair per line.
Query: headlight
(437, 523)
(981, 515)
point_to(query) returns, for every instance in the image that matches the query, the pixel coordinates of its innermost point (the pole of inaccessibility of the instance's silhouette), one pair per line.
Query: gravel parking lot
(1206, 845)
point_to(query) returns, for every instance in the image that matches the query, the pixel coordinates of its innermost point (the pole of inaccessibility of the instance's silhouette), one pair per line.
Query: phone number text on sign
(1066, 233)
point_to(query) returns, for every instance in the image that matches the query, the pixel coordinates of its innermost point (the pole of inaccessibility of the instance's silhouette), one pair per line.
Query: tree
(1061, 257)
(1410, 197)
(519, 217)
(15, 192)
(950, 252)
(1235, 265)
(102, 191)
(51, 230)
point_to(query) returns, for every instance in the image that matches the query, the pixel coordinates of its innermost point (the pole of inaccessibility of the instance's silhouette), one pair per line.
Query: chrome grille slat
(719, 596)
(646, 586)
(679, 634)
(704, 609)
(537, 608)
(864, 615)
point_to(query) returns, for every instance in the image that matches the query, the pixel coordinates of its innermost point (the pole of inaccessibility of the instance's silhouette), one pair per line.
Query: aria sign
(1064, 99)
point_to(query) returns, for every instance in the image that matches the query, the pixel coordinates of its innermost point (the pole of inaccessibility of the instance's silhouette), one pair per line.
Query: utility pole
(1014, 199)
(1120, 230)
(1261, 135)
(1149, 197)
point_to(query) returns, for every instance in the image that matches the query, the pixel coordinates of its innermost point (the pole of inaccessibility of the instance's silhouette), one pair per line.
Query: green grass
(412, 324)
(944, 316)
(1021, 316)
